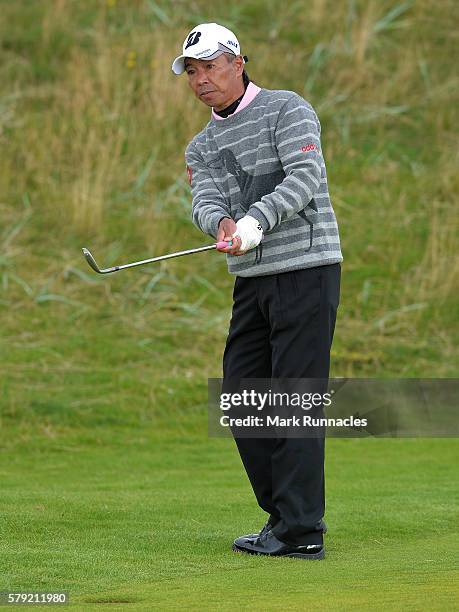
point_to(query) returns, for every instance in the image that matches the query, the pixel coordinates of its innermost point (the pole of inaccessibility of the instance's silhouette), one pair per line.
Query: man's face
(216, 82)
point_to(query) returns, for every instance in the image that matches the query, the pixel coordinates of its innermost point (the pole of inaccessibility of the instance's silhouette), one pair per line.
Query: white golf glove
(249, 231)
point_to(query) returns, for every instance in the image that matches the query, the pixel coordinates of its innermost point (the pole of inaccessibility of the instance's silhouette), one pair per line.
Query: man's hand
(246, 234)
(250, 232)
(226, 228)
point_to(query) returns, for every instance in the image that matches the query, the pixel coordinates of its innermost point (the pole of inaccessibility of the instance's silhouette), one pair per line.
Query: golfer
(258, 179)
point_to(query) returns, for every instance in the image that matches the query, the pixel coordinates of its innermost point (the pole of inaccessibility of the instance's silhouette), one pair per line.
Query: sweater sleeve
(208, 205)
(297, 139)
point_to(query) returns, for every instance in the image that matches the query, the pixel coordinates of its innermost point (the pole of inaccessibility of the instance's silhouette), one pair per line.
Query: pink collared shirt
(250, 93)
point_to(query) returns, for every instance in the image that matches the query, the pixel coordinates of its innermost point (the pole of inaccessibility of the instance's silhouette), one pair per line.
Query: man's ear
(239, 61)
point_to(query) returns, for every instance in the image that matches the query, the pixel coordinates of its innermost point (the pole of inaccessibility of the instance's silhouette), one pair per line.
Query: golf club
(92, 262)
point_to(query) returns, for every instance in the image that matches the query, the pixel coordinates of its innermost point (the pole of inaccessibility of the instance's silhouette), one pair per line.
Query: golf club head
(91, 261)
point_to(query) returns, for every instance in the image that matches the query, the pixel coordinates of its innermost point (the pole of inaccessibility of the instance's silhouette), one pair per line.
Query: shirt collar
(250, 93)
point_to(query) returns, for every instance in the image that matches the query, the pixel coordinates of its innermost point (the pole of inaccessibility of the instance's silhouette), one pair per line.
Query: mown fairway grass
(109, 485)
(148, 520)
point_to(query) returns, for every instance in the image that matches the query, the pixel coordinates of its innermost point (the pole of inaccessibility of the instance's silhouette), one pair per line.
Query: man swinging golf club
(258, 178)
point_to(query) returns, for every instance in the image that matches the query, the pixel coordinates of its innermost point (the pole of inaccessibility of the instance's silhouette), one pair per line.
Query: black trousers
(282, 327)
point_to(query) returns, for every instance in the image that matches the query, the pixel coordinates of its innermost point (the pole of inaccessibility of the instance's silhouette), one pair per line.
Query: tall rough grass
(93, 127)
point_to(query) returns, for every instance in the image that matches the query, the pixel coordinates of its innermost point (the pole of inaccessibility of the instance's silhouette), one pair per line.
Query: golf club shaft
(92, 262)
(169, 256)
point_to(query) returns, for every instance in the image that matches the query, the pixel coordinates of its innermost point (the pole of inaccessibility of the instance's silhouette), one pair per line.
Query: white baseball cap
(206, 41)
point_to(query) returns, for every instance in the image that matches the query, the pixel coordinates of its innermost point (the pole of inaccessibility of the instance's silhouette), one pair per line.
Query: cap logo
(192, 39)
(231, 42)
(203, 52)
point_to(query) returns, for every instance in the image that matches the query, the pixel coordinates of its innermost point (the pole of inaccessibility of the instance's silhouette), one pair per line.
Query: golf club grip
(223, 244)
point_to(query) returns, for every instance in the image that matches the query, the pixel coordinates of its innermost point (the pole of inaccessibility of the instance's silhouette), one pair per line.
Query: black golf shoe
(268, 544)
(241, 540)
(253, 536)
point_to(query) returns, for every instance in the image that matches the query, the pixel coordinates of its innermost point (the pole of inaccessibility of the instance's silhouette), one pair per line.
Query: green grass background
(110, 487)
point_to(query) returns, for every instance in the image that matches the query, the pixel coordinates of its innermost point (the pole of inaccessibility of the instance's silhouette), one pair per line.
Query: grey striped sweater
(266, 160)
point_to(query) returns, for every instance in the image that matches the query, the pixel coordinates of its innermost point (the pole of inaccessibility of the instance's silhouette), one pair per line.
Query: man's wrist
(218, 225)
(260, 217)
